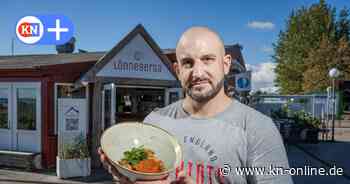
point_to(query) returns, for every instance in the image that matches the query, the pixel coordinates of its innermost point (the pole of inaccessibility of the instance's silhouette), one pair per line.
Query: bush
(281, 113)
(300, 117)
(76, 150)
(306, 119)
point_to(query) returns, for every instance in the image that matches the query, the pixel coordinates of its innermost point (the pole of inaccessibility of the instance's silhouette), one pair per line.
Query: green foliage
(306, 119)
(299, 60)
(279, 114)
(321, 60)
(282, 113)
(135, 155)
(343, 25)
(76, 150)
(301, 117)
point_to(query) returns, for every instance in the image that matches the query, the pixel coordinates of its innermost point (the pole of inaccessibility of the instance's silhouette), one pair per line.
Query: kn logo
(44, 29)
(29, 29)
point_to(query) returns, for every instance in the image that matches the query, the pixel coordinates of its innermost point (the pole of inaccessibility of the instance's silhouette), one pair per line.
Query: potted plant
(309, 126)
(73, 159)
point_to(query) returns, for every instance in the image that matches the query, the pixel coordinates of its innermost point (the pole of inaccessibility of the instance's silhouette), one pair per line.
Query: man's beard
(206, 96)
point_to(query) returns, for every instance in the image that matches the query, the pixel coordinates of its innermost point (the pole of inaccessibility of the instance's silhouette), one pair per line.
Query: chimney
(67, 47)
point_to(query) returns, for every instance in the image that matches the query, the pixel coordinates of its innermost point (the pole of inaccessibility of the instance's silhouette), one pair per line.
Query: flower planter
(67, 168)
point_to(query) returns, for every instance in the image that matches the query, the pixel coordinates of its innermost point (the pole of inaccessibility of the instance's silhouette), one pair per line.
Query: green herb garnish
(135, 155)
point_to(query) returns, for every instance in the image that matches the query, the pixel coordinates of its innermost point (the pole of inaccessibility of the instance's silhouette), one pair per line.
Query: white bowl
(124, 136)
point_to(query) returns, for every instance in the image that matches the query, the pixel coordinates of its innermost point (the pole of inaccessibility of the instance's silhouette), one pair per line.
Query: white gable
(136, 60)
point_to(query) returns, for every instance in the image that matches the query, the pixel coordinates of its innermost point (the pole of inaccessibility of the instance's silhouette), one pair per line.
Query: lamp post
(333, 74)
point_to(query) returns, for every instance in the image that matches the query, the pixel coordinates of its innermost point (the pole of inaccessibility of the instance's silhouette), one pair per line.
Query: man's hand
(113, 171)
(183, 179)
(123, 179)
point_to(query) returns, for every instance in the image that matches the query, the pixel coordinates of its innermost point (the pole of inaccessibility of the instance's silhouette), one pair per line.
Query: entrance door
(27, 116)
(172, 95)
(5, 117)
(23, 129)
(108, 105)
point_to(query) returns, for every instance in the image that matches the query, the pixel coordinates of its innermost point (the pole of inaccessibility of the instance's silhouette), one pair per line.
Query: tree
(343, 25)
(307, 30)
(321, 60)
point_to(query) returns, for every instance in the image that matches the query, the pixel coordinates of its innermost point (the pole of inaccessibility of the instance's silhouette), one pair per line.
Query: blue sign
(44, 29)
(243, 82)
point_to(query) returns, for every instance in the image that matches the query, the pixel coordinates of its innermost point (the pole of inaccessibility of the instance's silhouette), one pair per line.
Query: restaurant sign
(136, 60)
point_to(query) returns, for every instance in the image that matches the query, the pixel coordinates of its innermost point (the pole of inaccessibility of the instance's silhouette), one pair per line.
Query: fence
(320, 106)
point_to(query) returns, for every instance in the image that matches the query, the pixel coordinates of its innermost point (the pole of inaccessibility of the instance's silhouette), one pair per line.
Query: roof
(34, 61)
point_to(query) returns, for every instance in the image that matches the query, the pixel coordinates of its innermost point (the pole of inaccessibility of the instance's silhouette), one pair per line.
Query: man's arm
(265, 150)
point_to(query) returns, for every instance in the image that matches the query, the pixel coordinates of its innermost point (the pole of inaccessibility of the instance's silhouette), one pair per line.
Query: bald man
(219, 136)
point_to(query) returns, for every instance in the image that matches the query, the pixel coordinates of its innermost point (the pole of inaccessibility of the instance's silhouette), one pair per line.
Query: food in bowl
(143, 160)
(125, 136)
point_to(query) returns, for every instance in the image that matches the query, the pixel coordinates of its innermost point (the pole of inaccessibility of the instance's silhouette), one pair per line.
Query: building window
(4, 108)
(26, 109)
(133, 104)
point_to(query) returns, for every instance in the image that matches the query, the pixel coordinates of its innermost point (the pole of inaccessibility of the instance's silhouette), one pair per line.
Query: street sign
(243, 81)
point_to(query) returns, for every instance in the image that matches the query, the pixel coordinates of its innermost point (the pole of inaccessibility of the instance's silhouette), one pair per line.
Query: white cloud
(263, 76)
(261, 25)
(267, 49)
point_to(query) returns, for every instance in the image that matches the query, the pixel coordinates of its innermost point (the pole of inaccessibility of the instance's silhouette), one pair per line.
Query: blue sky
(99, 25)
